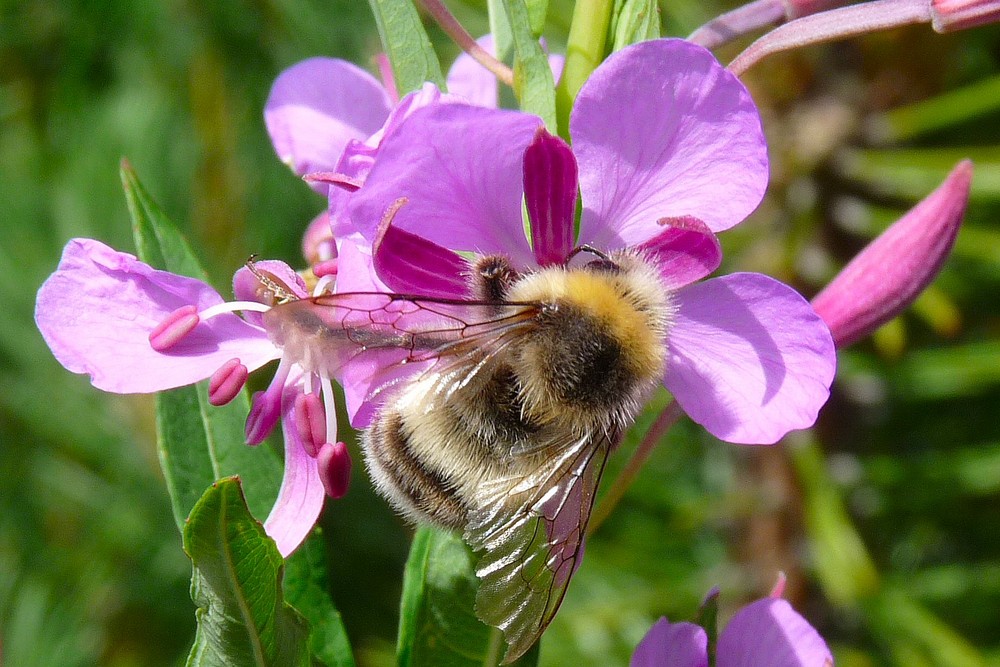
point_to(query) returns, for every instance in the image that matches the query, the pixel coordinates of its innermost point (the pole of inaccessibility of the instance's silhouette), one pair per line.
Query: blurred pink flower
(766, 633)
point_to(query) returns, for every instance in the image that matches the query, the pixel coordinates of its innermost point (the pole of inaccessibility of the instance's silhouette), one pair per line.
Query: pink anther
(334, 468)
(174, 328)
(310, 422)
(227, 382)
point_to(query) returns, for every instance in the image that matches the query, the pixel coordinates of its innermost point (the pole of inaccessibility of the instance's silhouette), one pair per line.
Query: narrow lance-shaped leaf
(533, 81)
(306, 589)
(197, 443)
(438, 623)
(242, 616)
(406, 43)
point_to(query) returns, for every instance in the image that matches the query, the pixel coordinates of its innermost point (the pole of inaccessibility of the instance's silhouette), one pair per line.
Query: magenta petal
(550, 184)
(769, 633)
(410, 264)
(460, 168)
(672, 645)
(317, 106)
(687, 142)
(97, 310)
(749, 359)
(300, 499)
(889, 274)
(686, 250)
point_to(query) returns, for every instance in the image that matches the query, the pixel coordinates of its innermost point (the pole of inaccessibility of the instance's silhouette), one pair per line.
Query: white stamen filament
(232, 307)
(331, 409)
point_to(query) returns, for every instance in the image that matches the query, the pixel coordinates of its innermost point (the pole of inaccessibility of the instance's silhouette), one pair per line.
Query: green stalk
(585, 50)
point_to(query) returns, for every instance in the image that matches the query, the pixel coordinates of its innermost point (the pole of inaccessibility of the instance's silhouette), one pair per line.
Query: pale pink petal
(661, 130)
(471, 81)
(477, 85)
(686, 250)
(97, 310)
(672, 645)
(317, 106)
(769, 633)
(460, 168)
(359, 155)
(247, 287)
(748, 359)
(300, 499)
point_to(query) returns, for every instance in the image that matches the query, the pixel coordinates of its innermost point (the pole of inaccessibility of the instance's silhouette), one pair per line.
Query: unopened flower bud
(886, 277)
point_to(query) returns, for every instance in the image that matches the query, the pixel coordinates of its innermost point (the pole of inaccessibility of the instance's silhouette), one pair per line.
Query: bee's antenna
(280, 292)
(588, 248)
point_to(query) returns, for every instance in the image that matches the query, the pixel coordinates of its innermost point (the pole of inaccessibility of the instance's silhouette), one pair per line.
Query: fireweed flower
(106, 314)
(667, 149)
(766, 633)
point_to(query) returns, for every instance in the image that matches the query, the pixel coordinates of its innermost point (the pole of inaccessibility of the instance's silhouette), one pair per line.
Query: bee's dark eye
(603, 266)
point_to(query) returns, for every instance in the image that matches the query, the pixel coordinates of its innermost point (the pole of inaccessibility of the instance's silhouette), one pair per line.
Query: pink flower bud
(949, 15)
(887, 276)
(334, 468)
(317, 242)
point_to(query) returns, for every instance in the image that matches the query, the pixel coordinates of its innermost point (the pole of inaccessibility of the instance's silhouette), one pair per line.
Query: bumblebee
(497, 413)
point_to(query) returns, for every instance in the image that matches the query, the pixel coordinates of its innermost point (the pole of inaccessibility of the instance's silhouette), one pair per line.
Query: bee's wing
(379, 339)
(529, 554)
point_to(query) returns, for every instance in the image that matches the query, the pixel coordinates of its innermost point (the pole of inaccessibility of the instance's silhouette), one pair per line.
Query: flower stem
(664, 421)
(454, 29)
(588, 33)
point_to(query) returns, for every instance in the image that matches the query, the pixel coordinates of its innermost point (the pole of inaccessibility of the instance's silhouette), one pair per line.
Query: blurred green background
(885, 517)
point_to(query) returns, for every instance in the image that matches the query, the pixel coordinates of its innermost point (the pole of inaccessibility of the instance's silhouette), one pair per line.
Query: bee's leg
(492, 277)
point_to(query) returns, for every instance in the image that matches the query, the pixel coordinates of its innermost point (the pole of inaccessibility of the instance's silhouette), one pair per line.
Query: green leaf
(500, 29)
(537, 9)
(634, 21)
(306, 589)
(533, 82)
(438, 624)
(242, 616)
(911, 173)
(407, 45)
(198, 443)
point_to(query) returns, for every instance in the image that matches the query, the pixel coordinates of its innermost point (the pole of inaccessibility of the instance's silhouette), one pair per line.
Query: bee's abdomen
(406, 478)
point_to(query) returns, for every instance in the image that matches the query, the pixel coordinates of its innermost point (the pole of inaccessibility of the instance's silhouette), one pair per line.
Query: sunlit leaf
(407, 45)
(242, 616)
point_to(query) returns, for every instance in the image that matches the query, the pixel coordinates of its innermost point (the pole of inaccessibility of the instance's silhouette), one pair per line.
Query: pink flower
(667, 149)
(766, 633)
(134, 329)
(327, 117)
